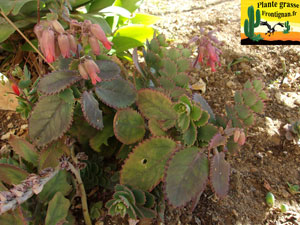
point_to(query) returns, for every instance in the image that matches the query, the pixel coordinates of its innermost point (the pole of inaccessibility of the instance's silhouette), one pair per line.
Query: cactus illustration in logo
(287, 26)
(250, 24)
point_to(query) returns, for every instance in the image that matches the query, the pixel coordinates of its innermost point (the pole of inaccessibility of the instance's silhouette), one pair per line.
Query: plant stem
(26, 39)
(85, 209)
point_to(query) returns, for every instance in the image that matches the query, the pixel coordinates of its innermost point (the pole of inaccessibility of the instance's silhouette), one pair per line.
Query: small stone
(230, 84)
(6, 136)
(234, 212)
(253, 170)
(24, 126)
(259, 155)
(10, 125)
(8, 117)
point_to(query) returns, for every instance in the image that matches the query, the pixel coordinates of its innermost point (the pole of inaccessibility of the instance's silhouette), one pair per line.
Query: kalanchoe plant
(172, 142)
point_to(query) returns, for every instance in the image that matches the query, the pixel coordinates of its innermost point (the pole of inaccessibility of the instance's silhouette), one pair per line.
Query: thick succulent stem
(76, 172)
(250, 24)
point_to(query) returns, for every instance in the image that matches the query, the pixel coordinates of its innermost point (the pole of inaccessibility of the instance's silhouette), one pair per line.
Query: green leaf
(219, 174)
(131, 36)
(10, 174)
(7, 29)
(144, 19)
(144, 168)
(196, 112)
(129, 126)
(102, 136)
(190, 136)
(58, 81)
(186, 176)
(91, 111)
(130, 5)
(24, 149)
(49, 157)
(155, 105)
(258, 107)
(207, 132)
(27, 48)
(108, 69)
(116, 93)
(50, 119)
(203, 120)
(67, 95)
(58, 183)
(270, 199)
(249, 97)
(12, 6)
(11, 218)
(183, 122)
(57, 209)
(100, 4)
(155, 128)
(98, 19)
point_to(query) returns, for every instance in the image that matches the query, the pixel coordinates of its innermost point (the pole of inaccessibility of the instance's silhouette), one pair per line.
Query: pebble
(24, 126)
(10, 125)
(259, 155)
(7, 135)
(234, 212)
(230, 84)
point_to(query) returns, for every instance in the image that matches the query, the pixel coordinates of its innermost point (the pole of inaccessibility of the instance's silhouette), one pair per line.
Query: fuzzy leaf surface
(219, 174)
(108, 69)
(186, 176)
(49, 157)
(12, 218)
(129, 126)
(91, 111)
(116, 93)
(24, 149)
(57, 209)
(155, 128)
(57, 81)
(145, 166)
(50, 119)
(190, 136)
(11, 174)
(155, 105)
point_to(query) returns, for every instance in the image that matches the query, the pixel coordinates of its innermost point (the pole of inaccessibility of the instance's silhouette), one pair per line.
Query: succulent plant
(293, 132)
(287, 27)
(134, 202)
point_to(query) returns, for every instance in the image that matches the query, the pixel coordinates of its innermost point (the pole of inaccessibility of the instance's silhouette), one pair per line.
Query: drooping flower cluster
(15, 89)
(207, 51)
(54, 41)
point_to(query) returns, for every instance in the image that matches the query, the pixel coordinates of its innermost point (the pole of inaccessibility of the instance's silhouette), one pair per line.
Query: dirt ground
(268, 161)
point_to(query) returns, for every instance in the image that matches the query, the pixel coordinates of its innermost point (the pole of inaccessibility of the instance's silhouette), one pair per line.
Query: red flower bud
(211, 52)
(236, 136)
(15, 89)
(47, 45)
(38, 30)
(82, 71)
(57, 26)
(73, 44)
(94, 45)
(64, 45)
(97, 31)
(92, 69)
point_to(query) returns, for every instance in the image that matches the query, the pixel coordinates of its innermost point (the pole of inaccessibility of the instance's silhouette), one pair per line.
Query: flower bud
(97, 31)
(92, 69)
(57, 26)
(64, 45)
(242, 139)
(94, 45)
(201, 54)
(73, 44)
(47, 45)
(211, 52)
(15, 89)
(82, 71)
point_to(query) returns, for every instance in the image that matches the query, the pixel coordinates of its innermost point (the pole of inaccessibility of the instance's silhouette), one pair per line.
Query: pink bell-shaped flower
(57, 26)
(83, 71)
(94, 45)
(98, 32)
(92, 69)
(48, 45)
(64, 45)
(73, 43)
